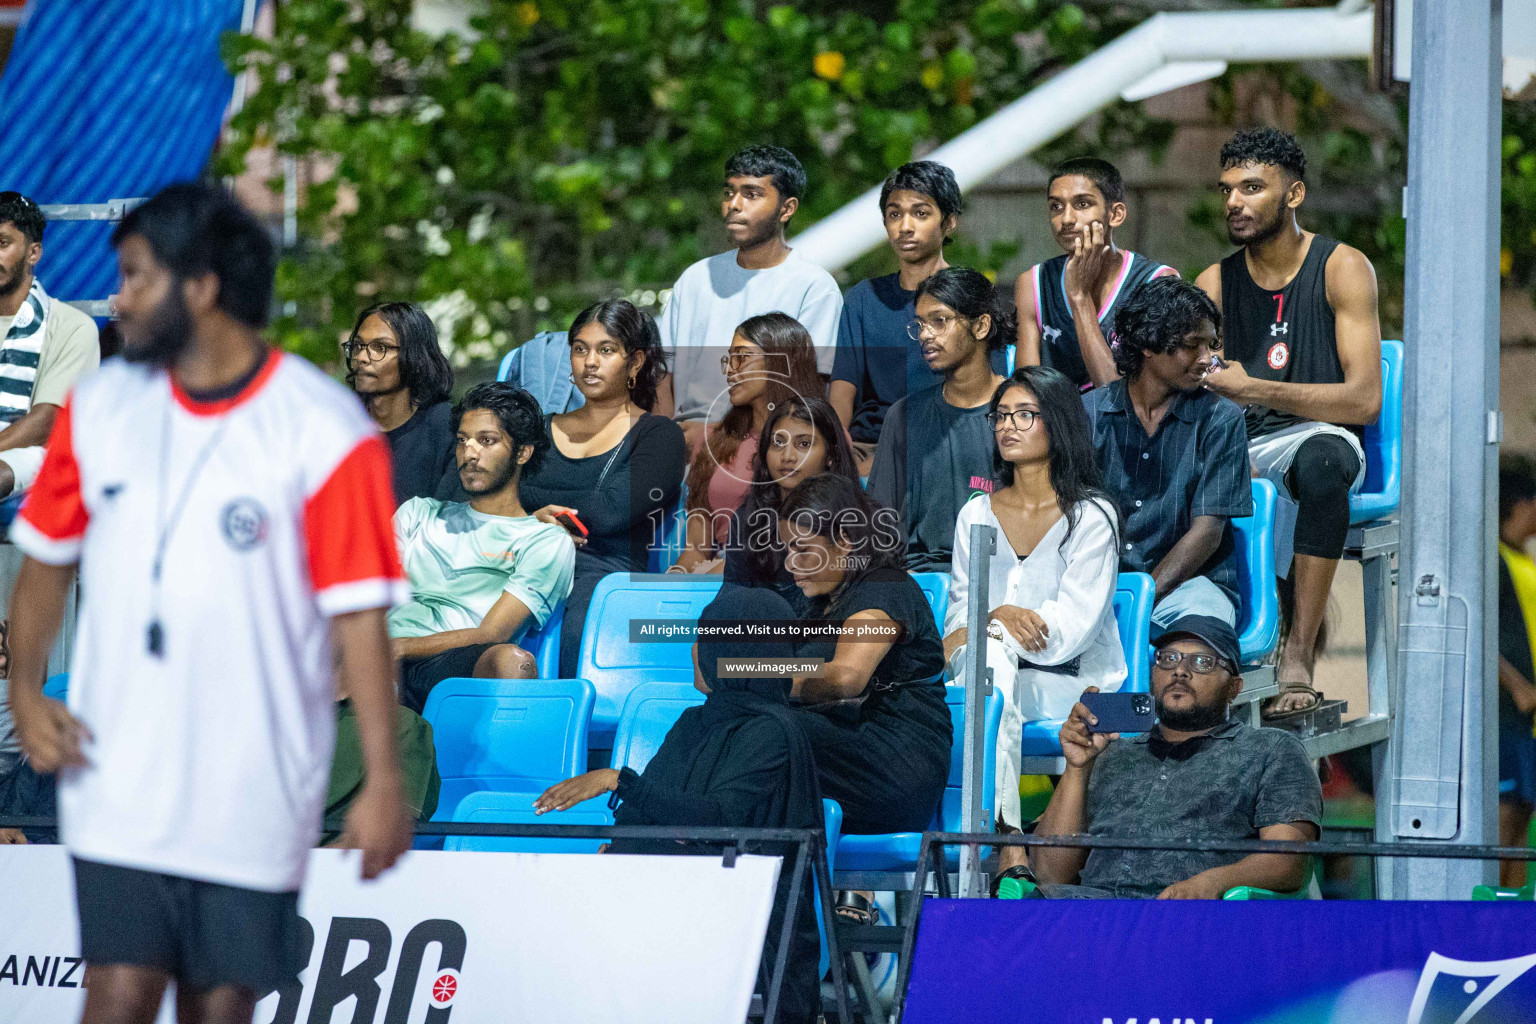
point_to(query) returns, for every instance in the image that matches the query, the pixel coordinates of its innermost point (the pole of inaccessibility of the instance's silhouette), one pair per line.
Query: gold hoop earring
(630, 384)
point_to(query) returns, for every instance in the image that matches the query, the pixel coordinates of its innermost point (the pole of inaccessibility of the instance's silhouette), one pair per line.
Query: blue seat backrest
(669, 543)
(1258, 618)
(486, 807)
(521, 733)
(57, 687)
(614, 665)
(8, 509)
(1013, 356)
(936, 588)
(1383, 443)
(649, 713)
(544, 643)
(951, 804)
(1134, 594)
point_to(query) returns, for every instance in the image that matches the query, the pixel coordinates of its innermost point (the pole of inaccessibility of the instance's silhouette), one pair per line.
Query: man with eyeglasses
(1174, 455)
(1200, 774)
(396, 366)
(45, 346)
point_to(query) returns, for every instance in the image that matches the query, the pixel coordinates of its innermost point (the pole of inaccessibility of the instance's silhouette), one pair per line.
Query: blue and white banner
(1165, 962)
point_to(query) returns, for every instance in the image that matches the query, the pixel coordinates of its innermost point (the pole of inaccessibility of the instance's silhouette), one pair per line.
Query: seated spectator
(771, 361)
(418, 762)
(397, 368)
(876, 361)
(936, 449)
(541, 366)
(882, 731)
(613, 467)
(1174, 455)
(740, 759)
(1199, 774)
(480, 571)
(23, 792)
(1303, 340)
(763, 185)
(45, 345)
(1517, 676)
(1051, 580)
(801, 440)
(1067, 302)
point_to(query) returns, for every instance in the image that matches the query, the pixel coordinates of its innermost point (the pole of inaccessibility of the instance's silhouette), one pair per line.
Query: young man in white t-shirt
(484, 570)
(229, 509)
(762, 274)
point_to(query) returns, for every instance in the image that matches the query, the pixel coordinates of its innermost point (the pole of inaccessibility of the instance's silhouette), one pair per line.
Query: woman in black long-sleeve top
(740, 759)
(613, 465)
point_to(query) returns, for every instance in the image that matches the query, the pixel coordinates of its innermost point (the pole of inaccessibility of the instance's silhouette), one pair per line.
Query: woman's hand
(563, 796)
(1027, 627)
(548, 513)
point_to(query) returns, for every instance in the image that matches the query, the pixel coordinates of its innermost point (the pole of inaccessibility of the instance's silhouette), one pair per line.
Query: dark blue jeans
(26, 793)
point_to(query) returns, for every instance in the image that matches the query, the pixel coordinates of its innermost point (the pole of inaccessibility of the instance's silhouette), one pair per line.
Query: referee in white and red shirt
(229, 508)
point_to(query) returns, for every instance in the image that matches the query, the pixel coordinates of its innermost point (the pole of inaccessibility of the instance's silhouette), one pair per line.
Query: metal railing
(112, 211)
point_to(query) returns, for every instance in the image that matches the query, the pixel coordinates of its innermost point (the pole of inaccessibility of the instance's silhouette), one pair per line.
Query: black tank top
(1284, 335)
(1058, 334)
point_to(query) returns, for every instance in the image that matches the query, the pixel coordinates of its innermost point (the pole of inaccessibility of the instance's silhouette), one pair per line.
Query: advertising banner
(1213, 962)
(467, 937)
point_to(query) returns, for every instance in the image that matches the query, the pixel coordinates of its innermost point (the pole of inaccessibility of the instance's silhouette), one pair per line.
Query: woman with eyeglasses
(935, 450)
(1051, 580)
(395, 365)
(613, 468)
(770, 362)
(801, 440)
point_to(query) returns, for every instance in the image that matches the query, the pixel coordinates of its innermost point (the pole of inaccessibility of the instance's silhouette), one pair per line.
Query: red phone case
(570, 517)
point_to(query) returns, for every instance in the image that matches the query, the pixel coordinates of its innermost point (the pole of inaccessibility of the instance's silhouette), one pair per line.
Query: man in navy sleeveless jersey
(1304, 347)
(1066, 303)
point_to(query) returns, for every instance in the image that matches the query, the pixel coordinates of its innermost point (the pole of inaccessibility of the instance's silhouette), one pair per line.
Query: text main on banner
(471, 937)
(1217, 962)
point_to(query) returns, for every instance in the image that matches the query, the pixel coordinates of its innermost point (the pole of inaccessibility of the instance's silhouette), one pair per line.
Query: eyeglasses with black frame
(375, 349)
(1200, 664)
(1021, 418)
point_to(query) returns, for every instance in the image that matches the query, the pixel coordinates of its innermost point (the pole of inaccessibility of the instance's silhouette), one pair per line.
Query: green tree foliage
(574, 148)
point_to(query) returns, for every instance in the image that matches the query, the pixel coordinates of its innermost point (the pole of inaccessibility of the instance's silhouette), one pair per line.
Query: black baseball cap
(1209, 630)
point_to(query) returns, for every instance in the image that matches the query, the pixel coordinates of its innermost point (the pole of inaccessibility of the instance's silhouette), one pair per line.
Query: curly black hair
(519, 413)
(1265, 145)
(969, 293)
(774, 162)
(1156, 318)
(636, 331)
(929, 178)
(23, 213)
(1104, 175)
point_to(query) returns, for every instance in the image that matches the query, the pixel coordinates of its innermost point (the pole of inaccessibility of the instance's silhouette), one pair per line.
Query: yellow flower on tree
(829, 64)
(933, 77)
(527, 14)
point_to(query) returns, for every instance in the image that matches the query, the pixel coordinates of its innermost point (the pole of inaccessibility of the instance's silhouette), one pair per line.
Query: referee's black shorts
(203, 934)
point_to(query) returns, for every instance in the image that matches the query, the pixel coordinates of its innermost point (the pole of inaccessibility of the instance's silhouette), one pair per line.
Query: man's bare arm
(32, 429)
(1027, 352)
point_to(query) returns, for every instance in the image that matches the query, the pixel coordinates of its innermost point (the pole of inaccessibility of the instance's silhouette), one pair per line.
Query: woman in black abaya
(739, 759)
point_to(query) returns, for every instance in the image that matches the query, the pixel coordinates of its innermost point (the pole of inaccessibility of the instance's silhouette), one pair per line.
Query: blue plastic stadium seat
(57, 687)
(504, 368)
(1013, 355)
(614, 665)
(484, 807)
(8, 509)
(649, 712)
(507, 735)
(544, 643)
(674, 535)
(897, 851)
(1133, 615)
(1383, 443)
(1258, 618)
(936, 588)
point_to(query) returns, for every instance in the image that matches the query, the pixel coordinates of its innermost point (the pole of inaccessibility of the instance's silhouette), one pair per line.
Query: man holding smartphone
(1198, 774)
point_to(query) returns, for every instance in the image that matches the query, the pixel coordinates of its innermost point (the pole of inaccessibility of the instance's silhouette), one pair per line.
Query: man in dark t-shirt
(876, 361)
(1303, 351)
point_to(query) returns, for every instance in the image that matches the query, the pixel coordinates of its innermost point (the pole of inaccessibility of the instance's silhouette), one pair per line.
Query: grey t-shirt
(1227, 784)
(713, 297)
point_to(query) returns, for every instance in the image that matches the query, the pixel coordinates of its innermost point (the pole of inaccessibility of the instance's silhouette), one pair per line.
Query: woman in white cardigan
(1051, 582)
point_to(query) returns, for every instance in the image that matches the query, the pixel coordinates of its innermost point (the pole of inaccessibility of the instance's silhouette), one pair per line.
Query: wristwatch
(995, 630)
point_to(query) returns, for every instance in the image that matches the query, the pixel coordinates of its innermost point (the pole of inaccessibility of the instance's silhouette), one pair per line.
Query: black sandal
(856, 908)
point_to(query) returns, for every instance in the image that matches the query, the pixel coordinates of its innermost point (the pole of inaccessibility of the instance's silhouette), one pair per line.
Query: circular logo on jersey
(1279, 355)
(245, 523)
(445, 986)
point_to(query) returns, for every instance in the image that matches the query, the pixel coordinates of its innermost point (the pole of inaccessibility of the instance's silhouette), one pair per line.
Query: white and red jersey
(210, 760)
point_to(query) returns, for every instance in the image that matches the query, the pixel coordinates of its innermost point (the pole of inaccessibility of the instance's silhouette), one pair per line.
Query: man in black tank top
(1303, 344)
(1066, 304)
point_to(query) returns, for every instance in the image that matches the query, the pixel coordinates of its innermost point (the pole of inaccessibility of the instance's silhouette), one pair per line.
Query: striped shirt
(1196, 464)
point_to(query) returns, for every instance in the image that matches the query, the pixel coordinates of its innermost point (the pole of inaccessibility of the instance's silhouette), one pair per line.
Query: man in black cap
(1199, 774)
